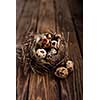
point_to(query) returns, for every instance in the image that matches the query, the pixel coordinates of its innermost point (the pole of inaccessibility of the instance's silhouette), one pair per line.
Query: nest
(44, 52)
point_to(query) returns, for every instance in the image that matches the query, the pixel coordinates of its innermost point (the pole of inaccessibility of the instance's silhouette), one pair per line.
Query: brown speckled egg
(54, 44)
(61, 72)
(69, 65)
(40, 53)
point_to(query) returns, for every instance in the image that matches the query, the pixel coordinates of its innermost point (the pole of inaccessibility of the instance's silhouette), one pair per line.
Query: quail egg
(45, 42)
(52, 52)
(41, 53)
(54, 44)
(69, 65)
(61, 72)
(48, 35)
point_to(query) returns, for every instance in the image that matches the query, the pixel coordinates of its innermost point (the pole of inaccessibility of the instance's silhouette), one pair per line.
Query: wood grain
(42, 16)
(76, 9)
(20, 4)
(71, 88)
(26, 22)
(46, 16)
(44, 87)
(28, 19)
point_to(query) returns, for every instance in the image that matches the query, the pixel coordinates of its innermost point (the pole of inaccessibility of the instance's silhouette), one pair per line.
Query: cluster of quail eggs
(51, 47)
(46, 45)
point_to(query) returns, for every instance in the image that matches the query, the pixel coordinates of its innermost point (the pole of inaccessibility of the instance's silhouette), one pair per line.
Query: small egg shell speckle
(41, 53)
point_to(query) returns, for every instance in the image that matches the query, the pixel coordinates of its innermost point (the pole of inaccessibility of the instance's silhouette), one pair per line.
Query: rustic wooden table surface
(58, 15)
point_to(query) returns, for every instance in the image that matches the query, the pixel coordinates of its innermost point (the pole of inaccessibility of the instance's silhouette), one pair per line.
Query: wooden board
(44, 87)
(39, 16)
(76, 9)
(27, 23)
(71, 88)
(46, 16)
(28, 19)
(20, 4)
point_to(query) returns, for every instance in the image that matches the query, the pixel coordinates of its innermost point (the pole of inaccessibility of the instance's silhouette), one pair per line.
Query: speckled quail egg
(61, 72)
(41, 53)
(52, 52)
(69, 65)
(48, 35)
(54, 44)
(45, 42)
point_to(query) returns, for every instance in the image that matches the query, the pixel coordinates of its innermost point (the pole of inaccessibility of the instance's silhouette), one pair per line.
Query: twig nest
(61, 72)
(70, 65)
(48, 52)
(41, 53)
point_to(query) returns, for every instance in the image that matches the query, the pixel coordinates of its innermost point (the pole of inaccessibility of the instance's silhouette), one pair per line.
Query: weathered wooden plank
(46, 16)
(28, 19)
(78, 24)
(27, 23)
(44, 87)
(76, 8)
(20, 4)
(71, 88)
(22, 82)
(22, 78)
(37, 87)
